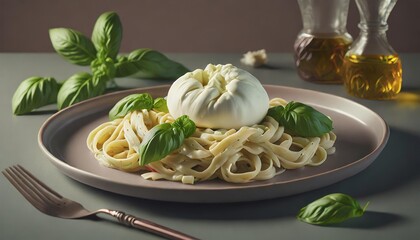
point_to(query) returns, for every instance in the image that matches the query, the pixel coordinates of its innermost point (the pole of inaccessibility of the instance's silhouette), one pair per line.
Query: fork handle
(149, 226)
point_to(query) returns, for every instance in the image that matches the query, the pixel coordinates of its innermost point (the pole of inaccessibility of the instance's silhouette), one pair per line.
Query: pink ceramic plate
(362, 135)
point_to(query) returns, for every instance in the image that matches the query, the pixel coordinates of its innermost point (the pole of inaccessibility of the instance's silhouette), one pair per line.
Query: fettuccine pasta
(257, 152)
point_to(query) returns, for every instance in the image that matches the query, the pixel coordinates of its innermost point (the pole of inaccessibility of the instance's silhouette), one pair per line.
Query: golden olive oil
(373, 76)
(321, 59)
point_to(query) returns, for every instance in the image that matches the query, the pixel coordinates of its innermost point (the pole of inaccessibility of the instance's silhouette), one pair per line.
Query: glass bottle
(322, 43)
(372, 69)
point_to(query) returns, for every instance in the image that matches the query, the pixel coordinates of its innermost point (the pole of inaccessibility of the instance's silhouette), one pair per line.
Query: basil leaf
(125, 67)
(301, 120)
(148, 63)
(330, 209)
(130, 103)
(185, 124)
(160, 105)
(160, 141)
(107, 35)
(73, 46)
(33, 93)
(164, 138)
(79, 87)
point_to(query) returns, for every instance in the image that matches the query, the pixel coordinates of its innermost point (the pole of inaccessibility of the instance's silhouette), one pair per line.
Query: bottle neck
(373, 27)
(324, 16)
(372, 40)
(374, 13)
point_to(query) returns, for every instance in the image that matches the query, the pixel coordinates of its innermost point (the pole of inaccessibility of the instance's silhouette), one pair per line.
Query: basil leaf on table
(164, 138)
(79, 87)
(330, 209)
(100, 52)
(107, 35)
(301, 120)
(34, 93)
(125, 67)
(149, 63)
(160, 105)
(130, 103)
(73, 46)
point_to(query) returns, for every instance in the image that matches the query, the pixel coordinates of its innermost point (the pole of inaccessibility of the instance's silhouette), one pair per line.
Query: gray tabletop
(390, 184)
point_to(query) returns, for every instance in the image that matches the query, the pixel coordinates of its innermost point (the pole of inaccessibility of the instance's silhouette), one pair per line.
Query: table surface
(390, 184)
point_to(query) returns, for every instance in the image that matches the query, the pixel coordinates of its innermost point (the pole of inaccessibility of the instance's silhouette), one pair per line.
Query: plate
(361, 136)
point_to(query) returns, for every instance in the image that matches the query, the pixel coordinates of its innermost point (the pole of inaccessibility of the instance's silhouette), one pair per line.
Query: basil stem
(131, 103)
(103, 68)
(301, 120)
(330, 209)
(73, 46)
(79, 87)
(33, 93)
(107, 35)
(164, 138)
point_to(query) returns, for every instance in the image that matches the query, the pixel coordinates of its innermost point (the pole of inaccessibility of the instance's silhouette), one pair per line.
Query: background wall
(185, 25)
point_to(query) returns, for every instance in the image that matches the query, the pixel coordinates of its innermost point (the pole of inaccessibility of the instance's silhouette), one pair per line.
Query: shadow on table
(43, 112)
(371, 220)
(393, 168)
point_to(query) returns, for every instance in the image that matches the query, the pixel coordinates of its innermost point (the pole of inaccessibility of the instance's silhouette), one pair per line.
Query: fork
(50, 202)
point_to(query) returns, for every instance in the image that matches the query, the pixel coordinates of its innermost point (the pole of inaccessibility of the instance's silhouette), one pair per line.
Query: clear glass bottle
(372, 69)
(322, 43)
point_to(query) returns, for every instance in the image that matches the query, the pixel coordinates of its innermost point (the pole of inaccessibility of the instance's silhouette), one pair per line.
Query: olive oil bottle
(320, 59)
(373, 76)
(320, 46)
(371, 68)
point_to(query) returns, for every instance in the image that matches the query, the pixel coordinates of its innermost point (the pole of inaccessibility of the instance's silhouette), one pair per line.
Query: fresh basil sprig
(104, 69)
(148, 63)
(79, 87)
(100, 53)
(160, 105)
(131, 103)
(107, 35)
(164, 138)
(137, 101)
(73, 46)
(26, 97)
(330, 209)
(301, 120)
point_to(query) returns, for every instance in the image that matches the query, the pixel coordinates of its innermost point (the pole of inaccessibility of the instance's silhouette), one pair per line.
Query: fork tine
(37, 187)
(23, 189)
(34, 187)
(38, 181)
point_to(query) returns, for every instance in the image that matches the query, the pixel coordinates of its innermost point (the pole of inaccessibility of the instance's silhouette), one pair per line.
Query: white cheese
(220, 96)
(255, 58)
